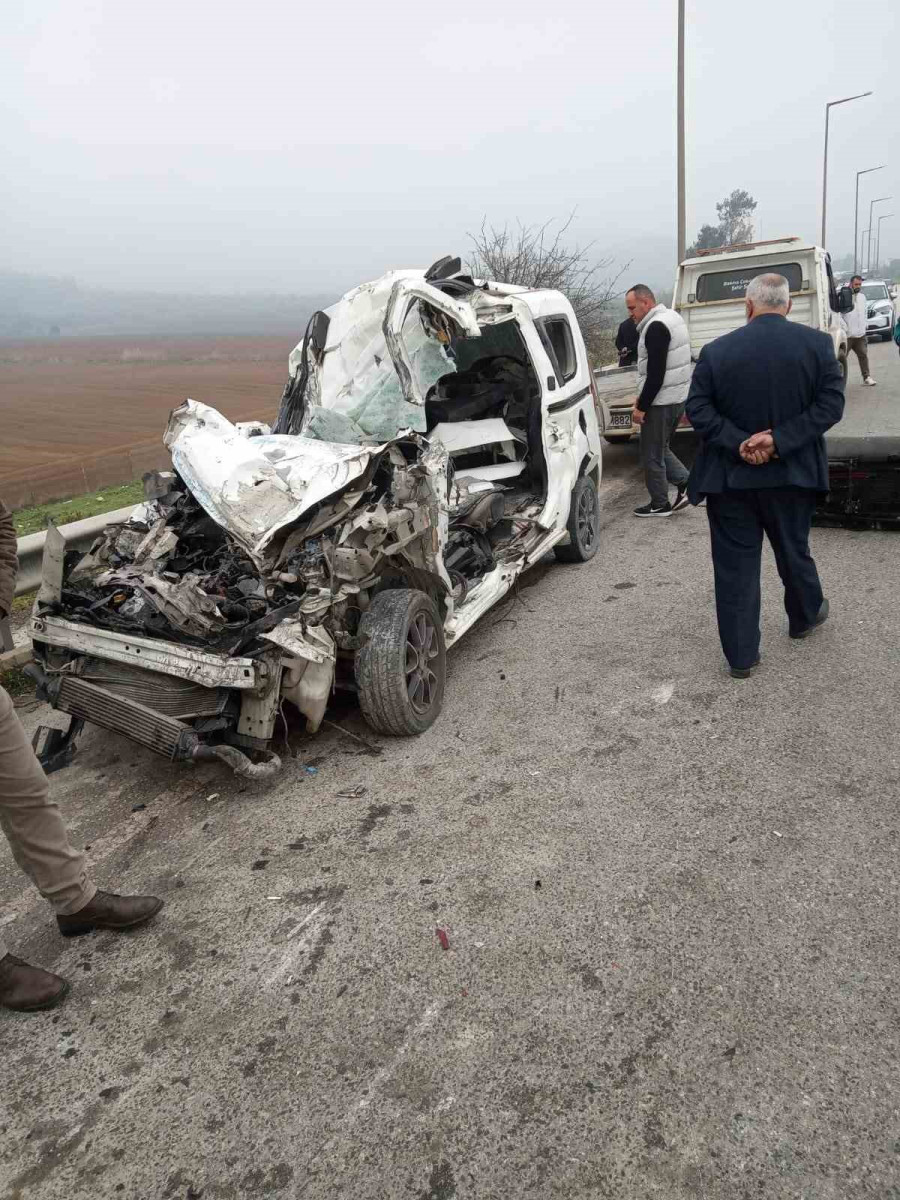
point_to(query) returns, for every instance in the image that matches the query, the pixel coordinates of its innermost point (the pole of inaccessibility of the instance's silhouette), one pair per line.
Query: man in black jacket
(627, 343)
(761, 398)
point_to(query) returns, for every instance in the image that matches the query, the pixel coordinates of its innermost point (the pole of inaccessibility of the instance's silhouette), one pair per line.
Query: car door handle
(570, 401)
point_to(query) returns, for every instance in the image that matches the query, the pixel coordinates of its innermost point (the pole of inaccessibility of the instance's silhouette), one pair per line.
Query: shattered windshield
(372, 407)
(366, 365)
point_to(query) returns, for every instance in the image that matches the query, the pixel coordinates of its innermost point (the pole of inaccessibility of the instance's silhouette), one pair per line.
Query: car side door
(570, 431)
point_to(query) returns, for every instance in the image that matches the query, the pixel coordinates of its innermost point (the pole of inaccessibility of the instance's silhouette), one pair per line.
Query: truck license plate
(620, 420)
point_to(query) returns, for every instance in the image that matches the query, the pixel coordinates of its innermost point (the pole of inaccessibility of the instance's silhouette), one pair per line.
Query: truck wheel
(616, 438)
(583, 524)
(402, 663)
(845, 367)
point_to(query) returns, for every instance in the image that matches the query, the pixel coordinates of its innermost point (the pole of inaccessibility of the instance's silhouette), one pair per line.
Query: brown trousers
(33, 825)
(860, 347)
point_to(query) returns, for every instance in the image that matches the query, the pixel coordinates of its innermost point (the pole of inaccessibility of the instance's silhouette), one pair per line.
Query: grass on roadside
(16, 682)
(25, 602)
(33, 520)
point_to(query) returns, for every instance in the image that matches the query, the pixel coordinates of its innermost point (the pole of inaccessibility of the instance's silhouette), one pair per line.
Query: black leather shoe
(743, 672)
(108, 911)
(24, 988)
(820, 620)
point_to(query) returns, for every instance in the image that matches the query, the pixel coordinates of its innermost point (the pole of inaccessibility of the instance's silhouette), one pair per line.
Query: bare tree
(536, 256)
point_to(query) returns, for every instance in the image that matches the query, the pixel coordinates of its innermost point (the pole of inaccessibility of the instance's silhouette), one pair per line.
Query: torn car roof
(365, 365)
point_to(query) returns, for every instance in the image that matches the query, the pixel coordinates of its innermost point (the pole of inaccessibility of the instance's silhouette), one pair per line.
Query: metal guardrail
(79, 535)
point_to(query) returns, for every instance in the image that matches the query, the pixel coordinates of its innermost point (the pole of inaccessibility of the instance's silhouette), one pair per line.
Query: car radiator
(155, 730)
(163, 693)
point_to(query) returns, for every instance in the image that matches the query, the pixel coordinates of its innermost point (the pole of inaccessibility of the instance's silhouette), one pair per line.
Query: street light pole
(883, 217)
(682, 240)
(828, 107)
(880, 200)
(867, 171)
(864, 234)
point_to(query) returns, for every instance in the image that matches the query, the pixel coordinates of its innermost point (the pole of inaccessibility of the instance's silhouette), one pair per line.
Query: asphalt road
(670, 902)
(873, 410)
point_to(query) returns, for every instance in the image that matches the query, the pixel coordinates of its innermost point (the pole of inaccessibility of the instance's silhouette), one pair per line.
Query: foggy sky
(186, 145)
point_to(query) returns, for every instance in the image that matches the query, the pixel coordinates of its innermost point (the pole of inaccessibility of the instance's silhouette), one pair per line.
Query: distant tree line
(43, 306)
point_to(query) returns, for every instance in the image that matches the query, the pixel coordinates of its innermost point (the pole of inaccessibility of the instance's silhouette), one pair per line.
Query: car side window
(557, 337)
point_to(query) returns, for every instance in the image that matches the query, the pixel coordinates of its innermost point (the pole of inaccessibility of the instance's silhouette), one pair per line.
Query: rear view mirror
(845, 299)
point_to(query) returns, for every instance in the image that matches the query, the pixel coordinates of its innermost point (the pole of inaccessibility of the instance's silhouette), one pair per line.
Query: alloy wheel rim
(585, 519)
(421, 650)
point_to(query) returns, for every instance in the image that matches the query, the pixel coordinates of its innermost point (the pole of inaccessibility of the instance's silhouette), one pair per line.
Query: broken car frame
(436, 437)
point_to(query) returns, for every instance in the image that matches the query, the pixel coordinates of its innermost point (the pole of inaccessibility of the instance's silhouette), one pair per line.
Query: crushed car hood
(255, 486)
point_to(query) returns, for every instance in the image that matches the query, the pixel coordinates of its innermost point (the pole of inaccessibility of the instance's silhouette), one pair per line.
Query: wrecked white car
(436, 437)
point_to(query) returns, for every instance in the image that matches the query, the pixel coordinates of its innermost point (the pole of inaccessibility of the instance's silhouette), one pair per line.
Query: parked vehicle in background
(437, 436)
(880, 316)
(709, 295)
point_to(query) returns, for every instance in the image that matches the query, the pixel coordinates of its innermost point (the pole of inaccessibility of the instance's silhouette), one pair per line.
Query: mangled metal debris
(427, 450)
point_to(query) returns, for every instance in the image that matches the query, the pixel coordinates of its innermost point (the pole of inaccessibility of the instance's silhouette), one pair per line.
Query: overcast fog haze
(200, 147)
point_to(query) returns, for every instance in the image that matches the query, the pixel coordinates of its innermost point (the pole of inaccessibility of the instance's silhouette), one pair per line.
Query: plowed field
(81, 413)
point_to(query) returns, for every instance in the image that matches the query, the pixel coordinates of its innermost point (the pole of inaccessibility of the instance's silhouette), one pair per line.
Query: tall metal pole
(828, 107)
(864, 234)
(879, 200)
(867, 171)
(682, 239)
(825, 176)
(883, 217)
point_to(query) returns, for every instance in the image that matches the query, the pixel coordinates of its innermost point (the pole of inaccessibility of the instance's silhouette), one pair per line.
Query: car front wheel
(401, 666)
(583, 525)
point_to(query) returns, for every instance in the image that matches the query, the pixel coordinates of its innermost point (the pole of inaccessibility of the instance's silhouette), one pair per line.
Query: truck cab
(710, 289)
(709, 294)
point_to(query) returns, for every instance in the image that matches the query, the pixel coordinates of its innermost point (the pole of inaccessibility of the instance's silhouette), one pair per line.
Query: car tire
(616, 439)
(583, 524)
(401, 666)
(843, 360)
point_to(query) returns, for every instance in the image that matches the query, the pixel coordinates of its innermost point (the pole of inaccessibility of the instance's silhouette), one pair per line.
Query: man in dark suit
(627, 343)
(761, 398)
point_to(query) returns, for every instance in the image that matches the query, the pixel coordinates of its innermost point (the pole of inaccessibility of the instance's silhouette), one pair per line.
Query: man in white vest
(664, 371)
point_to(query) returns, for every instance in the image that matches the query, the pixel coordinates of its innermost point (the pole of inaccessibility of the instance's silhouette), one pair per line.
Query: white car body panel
(275, 493)
(255, 486)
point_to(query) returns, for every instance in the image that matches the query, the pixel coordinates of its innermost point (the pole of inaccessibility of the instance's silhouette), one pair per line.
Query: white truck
(709, 294)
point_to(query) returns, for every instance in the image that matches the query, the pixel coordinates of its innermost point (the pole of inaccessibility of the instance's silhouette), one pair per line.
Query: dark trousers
(661, 467)
(860, 347)
(737, 522)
